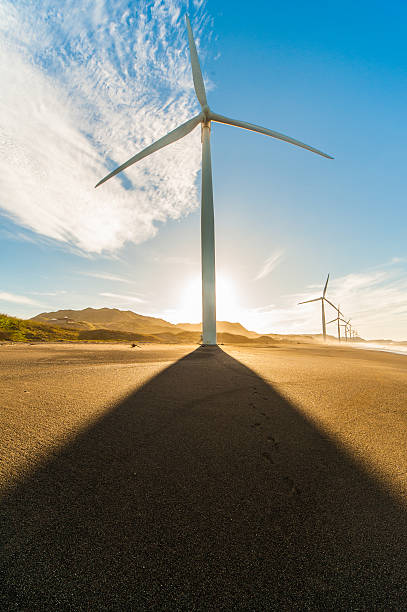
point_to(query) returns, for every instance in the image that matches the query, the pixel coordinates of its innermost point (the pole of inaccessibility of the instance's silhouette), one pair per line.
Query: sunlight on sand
(387, 348)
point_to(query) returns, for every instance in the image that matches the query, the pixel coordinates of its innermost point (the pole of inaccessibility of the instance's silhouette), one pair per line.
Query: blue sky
(87, 86)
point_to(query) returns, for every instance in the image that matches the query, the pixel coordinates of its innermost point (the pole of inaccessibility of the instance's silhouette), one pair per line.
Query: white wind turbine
(323, 299)
(207, 219)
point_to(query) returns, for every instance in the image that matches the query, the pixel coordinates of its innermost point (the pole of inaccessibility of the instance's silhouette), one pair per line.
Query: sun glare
(190, 307)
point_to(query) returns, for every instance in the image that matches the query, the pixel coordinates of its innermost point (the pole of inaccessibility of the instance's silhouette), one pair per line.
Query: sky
(87, 84)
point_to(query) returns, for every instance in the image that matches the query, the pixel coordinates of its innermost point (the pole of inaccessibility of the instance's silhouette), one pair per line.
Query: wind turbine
(323, 299)
(338, 319)
(205, 117)
(347, 327)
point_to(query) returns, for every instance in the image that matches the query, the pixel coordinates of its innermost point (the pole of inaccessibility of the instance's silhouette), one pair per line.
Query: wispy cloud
(126, 298)
(396, 260)
(108, 277)
(48, 293)
(375, 300)
(269, 265)
(18, 236)
(84, 87)
(17, 299)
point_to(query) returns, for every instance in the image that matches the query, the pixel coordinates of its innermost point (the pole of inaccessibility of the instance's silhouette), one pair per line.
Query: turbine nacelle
(206, 111)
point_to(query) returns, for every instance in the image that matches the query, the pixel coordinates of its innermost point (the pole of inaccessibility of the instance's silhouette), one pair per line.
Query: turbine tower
(205, 117)
(323, 299)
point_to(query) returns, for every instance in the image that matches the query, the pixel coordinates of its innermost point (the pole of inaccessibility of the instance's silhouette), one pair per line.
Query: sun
(190, 307)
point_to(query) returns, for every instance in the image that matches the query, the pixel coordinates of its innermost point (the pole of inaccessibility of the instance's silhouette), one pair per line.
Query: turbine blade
(335, 307)
(196, 68)
(308, 301)
(330, 303)
(267, 132)
(326, 285)
(171, 137)
(333, 321)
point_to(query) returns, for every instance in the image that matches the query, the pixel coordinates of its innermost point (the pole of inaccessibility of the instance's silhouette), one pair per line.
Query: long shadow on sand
(204, 490)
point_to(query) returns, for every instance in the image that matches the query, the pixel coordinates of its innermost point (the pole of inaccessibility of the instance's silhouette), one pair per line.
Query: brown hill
(109, 324)
(105, 318)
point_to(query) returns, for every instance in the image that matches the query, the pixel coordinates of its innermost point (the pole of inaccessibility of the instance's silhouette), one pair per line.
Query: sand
(184, 478)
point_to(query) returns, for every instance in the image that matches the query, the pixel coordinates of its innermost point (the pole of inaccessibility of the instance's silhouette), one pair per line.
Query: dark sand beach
(185, 478)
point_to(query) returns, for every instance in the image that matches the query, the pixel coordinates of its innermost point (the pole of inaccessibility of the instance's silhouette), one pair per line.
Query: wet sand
(184, 478)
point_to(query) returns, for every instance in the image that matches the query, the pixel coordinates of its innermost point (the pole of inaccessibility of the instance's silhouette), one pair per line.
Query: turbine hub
(207, 113)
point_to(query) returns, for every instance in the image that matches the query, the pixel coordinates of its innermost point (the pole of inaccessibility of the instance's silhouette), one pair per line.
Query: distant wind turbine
(348, 328)
(323, 299)
(207, 218)
(338, 319)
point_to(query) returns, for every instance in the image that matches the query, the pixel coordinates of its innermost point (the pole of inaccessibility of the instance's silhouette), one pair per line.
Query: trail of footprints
(274, 444)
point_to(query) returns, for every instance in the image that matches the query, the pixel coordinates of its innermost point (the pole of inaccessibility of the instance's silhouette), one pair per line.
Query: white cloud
(17, 299)
(269, 265)
(84, 87)
(126, 298)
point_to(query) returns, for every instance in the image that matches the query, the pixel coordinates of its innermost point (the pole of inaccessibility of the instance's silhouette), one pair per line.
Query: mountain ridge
(104, 318)
(113, 319)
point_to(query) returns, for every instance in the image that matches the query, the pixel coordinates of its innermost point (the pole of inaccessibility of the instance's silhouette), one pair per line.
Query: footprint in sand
(267, 457)
(273, 441)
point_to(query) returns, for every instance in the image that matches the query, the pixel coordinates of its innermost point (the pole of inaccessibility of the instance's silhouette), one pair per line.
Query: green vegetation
(13, 329)
(19, 330)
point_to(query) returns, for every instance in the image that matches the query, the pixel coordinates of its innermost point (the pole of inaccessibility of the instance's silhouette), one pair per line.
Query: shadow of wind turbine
(213, 489)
